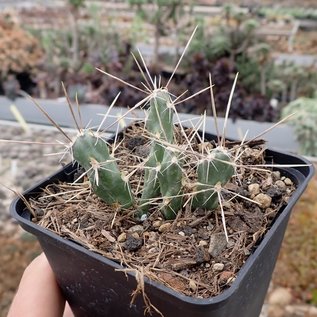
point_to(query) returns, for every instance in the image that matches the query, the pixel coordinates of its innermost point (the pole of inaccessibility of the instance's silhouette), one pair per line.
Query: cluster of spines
(214, 170)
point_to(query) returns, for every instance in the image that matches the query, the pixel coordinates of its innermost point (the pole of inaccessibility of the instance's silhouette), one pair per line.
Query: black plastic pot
(94, 289)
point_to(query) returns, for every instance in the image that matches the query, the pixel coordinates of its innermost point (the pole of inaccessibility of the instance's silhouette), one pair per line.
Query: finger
(38, 294)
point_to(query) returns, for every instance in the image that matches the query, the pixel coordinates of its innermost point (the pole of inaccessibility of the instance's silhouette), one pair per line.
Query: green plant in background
(249, 72)
(256, 68)
(287, 13)
(304, 123)
(199, 41)
(297, 80)
(73, 54)
(276, 88)
(99, 38)
(293, 75)
(57, 46)
(284, 82)
(74, 10)
(234, 36)
(261, 53)
(237, 39)
(160, 14)
(138, 32)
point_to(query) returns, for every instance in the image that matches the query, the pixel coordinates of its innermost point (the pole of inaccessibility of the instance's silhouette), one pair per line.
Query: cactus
(215, 169)
(170, 180)
(163, 176)
(107, 182)
(159, 124)
(151, 187)
(160, 117)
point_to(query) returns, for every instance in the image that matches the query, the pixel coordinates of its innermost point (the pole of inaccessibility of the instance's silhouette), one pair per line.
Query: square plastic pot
(93, 288)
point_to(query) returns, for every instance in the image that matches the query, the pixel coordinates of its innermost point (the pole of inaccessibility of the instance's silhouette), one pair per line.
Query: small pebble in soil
(202, 255)
(136, 228)
(202, 243)
(152, 236)
(263, 199)
(165, 227)
(122, 237)
(225, 276)
(243, 192)
(188, 230)
(132, 243)
(217, 244)
(218, 267)
(254, 189)
(276, 175)
(275, 193)
(200, 212)
(280, 184)
(270, 213)
(157, 223)
(267, 182)
(288, 181)
(135, 235)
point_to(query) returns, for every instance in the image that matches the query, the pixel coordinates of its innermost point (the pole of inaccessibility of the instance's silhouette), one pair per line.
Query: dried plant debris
(190, 254)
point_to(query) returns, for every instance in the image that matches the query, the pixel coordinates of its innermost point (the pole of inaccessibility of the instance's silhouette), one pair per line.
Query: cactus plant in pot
(164, 218)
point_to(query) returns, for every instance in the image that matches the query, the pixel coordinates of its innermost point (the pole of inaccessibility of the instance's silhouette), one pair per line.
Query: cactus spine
(215, 169)
(107, 182)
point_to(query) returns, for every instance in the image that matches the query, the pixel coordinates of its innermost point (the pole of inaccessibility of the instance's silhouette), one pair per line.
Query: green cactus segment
(92, 154)
(212, 171)
(170, 179)
(160, 118)
(151, 187)
(160, 124)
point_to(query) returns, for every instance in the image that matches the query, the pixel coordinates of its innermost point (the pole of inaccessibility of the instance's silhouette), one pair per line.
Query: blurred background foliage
(40, 47)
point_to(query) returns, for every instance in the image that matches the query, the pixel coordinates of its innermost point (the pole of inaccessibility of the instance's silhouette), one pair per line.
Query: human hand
(38, 294)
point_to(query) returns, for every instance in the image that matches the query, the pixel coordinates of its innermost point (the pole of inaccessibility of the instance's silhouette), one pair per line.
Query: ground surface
(20, 166)
(294, 281)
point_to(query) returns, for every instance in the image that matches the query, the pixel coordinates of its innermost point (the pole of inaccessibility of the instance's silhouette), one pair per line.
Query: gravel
(23, 165)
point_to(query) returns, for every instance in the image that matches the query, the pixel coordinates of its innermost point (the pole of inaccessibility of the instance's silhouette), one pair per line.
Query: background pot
(93, 288)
